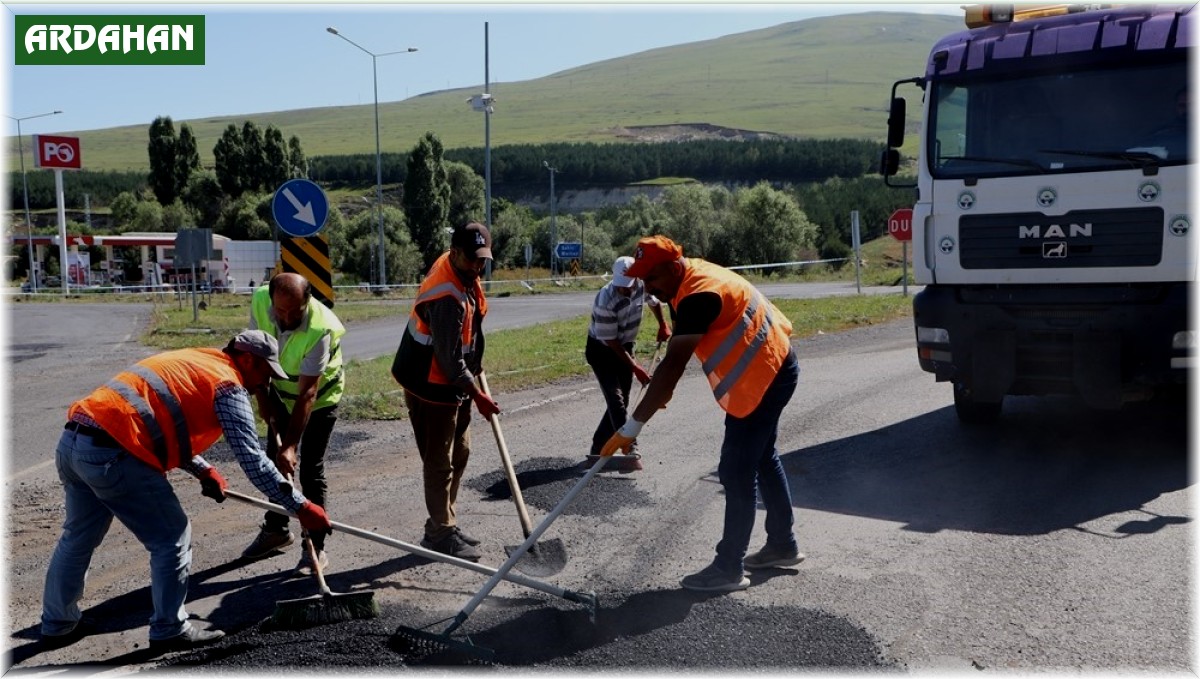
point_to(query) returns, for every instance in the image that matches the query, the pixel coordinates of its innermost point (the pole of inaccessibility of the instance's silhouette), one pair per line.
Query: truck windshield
(1066, 121)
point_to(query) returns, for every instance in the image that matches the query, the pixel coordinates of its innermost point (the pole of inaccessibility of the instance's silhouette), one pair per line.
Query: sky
(276, 57)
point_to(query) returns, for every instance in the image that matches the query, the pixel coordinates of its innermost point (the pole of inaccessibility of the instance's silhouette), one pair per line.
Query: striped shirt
(616, 316)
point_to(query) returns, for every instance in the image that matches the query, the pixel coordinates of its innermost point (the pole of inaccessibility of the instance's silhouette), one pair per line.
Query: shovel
(543, 558)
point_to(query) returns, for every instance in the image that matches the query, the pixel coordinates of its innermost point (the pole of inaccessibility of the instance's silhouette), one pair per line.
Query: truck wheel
(971, 411)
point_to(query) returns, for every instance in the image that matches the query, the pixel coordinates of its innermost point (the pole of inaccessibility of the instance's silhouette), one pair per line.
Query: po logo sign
(59, 153)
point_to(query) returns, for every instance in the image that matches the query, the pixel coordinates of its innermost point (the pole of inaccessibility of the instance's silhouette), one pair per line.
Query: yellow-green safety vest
(320, 322)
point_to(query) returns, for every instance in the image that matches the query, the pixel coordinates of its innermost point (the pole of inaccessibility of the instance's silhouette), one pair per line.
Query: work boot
(305, 567)
(186, 640)
(452, 545)
(713, 579)
(268, 542)
(467, 537)
(773, 557)
(85, 627)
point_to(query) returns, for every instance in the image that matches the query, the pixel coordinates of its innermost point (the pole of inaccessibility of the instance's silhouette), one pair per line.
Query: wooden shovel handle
(518, 499)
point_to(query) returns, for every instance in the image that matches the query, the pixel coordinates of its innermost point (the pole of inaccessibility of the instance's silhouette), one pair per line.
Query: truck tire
(971, 411)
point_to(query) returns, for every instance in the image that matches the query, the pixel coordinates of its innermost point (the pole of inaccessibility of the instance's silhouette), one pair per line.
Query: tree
(162, 160)
(768, 226)
(254, 158)
(361, 247)
(187, 158)
(297, 162)
(691, 219)
(177, 216)
(204, 196)
(228, 155)
(122, 209)
(275, 152)
(466, 194)
(426, 199)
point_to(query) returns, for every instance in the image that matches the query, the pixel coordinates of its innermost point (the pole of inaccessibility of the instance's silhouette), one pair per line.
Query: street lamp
(553, 219)
(25, 186)
(378, 154)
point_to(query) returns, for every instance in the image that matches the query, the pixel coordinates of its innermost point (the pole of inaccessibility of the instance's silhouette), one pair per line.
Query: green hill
(821, 78)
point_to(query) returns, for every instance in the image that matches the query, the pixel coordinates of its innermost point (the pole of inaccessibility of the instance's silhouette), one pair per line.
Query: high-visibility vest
(161, 409)
(319, 322)
(744, 347)
(415, 366)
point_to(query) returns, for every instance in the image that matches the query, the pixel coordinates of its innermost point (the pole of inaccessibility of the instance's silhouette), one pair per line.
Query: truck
(1051, 227)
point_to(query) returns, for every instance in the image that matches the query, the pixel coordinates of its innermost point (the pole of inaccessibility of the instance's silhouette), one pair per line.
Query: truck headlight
(1184, 339)
(933, 335)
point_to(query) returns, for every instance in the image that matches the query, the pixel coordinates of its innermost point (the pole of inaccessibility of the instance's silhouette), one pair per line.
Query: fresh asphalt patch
(545, 481)
(652, 629)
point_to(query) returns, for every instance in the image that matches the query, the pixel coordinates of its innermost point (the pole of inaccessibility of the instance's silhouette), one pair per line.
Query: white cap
(620, 266)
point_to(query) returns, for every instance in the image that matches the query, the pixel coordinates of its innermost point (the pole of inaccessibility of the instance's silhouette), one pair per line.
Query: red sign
(900, 224)
(59, 153)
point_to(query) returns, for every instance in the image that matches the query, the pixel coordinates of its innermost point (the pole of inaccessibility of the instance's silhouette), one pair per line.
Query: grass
(520, 358)
(823, 78)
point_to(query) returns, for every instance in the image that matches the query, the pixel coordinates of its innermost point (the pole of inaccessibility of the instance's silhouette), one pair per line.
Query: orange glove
(212, 484)
(486, 405)
(622, 439)
(313, 518)
(640, 373)
(663, 333)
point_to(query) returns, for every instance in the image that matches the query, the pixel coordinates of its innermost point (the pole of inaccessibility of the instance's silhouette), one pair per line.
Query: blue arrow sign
(569, 250)
(300, 208)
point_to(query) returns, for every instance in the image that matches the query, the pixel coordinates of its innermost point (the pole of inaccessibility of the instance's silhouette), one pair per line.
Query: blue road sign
(569, 250)
(300, 208)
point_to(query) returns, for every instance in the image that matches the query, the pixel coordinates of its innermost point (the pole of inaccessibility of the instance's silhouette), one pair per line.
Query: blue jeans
(750, 463)
(101, 483)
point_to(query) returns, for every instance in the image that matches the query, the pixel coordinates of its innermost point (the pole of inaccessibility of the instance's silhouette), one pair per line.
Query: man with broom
(616, 320)
(300, 409)
(743, 345)
(112, 459)
(437, 361)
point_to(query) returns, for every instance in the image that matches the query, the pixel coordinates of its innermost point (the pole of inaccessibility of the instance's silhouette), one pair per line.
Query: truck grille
(1078, 239)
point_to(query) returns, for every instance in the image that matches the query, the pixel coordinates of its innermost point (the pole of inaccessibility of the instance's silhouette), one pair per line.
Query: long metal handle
(503, 571)
(518, 498)
(515, 578)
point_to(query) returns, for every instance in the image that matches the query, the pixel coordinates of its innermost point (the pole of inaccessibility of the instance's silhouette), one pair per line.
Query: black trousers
(313, 443)
(616, 378)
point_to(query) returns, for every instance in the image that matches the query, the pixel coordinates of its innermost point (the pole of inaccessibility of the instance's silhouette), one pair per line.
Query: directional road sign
(300, 207)
(569, 250)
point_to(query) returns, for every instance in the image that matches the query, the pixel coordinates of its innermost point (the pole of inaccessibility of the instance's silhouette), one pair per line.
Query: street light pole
(25, 187)
(553, 219)
(378, 151)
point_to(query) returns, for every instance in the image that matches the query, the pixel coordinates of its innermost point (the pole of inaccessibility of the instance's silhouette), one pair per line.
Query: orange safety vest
(744, 347)
(161, 409)
(415, 367)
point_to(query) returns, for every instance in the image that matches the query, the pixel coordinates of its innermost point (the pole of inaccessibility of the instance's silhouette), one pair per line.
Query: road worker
(112, 459)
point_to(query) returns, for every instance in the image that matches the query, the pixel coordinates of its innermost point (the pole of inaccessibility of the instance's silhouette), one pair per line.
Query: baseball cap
(652, 251)
(473, 239)
(260, 344)
(620, 266)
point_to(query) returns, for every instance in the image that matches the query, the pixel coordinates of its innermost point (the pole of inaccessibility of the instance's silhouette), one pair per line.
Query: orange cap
(651, 252)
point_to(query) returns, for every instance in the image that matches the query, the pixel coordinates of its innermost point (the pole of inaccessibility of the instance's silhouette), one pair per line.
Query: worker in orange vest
(743, 345)
(437, 361)
(118, 445)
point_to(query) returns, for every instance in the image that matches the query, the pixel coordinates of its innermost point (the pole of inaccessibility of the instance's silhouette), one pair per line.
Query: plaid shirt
(232, 405)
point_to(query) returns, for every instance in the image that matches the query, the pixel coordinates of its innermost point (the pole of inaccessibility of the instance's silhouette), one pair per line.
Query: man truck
(1051, 228)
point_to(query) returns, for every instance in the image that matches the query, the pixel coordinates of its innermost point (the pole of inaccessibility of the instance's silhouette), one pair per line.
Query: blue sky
(274, 57)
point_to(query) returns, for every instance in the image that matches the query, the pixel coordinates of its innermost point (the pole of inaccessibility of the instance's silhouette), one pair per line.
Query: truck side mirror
(895, 134)
(889, 162)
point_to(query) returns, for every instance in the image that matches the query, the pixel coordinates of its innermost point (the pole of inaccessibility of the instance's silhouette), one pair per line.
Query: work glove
(622, 439)
(486, 405)
(640, 373)
(663, 333)
(212, 484)
(313, 519)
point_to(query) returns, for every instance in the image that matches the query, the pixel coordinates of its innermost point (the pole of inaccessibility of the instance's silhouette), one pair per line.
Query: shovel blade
(543, 559)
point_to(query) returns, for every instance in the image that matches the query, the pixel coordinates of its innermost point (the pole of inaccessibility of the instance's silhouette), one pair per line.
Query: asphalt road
(1058, 540)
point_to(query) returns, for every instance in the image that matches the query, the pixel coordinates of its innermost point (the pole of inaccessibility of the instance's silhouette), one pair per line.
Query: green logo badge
(109, 40)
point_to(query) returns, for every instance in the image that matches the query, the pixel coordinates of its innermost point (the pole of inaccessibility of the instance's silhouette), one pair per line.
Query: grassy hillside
(824, 77)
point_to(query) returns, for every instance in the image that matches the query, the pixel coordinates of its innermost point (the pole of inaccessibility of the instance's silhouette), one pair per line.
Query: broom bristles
(323, 609)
